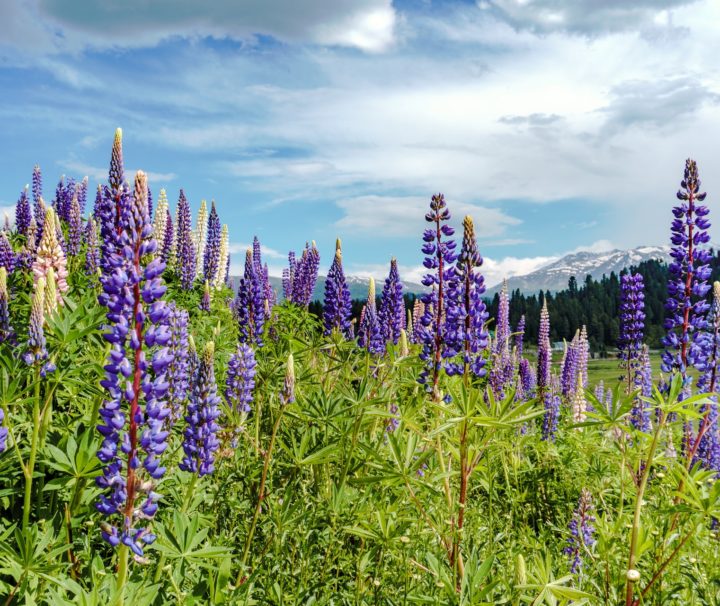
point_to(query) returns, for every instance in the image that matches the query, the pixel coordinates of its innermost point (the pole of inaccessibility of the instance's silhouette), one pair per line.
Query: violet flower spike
(240, 380)
(337, 306)
(582, 531)
(23, 213)
(391, 314)
(7, 334)
(185, 255)
(211, 259)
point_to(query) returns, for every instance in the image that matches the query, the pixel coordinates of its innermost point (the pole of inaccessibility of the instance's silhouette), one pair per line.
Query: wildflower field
(165, 439)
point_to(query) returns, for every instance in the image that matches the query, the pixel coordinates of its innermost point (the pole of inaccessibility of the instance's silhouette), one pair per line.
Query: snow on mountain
(555, 276)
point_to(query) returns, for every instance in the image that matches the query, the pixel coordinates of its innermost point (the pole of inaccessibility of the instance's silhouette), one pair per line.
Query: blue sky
(557, 124)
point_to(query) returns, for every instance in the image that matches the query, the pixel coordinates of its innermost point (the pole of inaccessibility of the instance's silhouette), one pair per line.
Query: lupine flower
(160, 220)
(551, 418)
(568, 367)
(409, 323)
(526, 379)
(201, 439)
(82, 195)
(467, 314)
(178, 371)
(240, 380)
(168, 244)
(92, 252)
(391, 314)
(582, 358)
(50, 254)
(58, 202)
(639, 415)
(211, 259)
(205, 300)
(337, 305)
(3, 431)
(417, 314)
(578, 402)
(259, 270)
(287, 395)
(98, 204)
(440, 255)
(249, 306)
(23, 213)
(502, 370)
(520, 336)
(7, 256)
(37, 193)
(7, 334)
(219, 279)
(687, 285)
(150, 205)
(109, 211)
(200, 236)
(288, 275)
(302, 275)
(544, 352)
(581, 531)
(393, 421)
(74, 227)
(369, 331)
(36, 352)
(185, 249)
(133, 418)
(632, 324)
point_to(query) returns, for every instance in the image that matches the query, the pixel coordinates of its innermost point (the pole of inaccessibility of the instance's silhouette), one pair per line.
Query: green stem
(638, 508)
(261, 496)
(30, 468)
(122, 573)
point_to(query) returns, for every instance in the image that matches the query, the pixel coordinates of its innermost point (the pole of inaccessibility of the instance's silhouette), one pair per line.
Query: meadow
(167, 440)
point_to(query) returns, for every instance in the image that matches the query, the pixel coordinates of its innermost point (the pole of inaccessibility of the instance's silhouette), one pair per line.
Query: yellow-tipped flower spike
(288, 393)
(160, 221)
(50, 254)
(403, 343)
(3, 283)
(200, 235)
(50, 303)
(219, 279)
(371, 291)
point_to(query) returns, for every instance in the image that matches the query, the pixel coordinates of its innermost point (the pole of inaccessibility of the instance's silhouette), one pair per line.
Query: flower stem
(189, 493)
(30, 468)
(122, 571)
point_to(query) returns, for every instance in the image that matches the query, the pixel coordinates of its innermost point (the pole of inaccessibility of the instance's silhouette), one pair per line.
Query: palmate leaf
(182, 542)
(76, 462)
(546, 589)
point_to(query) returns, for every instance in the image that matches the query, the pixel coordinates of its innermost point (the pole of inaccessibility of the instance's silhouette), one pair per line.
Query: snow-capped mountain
(555, 276)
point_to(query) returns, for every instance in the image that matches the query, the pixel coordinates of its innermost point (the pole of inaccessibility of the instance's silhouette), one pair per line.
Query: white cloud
(7, 211)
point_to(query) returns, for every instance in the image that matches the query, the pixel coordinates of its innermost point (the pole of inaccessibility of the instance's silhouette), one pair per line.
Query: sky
(558, 125)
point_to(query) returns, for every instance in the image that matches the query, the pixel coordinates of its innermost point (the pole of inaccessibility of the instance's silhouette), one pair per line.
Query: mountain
(555, 276)
(358, 287)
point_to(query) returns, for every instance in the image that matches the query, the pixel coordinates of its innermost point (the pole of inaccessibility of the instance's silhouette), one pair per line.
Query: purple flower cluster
(205, 300)
(370, 335)
(75, 227)
(439, 259)
(632, 324)
(391, 314)
(36, 352)
(640, 415)
(203, 410)
(92, 252)
(544, 352)
(582, 531)
(7, 256)
(133, 418)
(249, 305)
(686, 306)
(178, 371)
(337, 305)
(240, 380)
(466, 312)
(503, 364)
(185, 248)
(212, 246)
(23, 213)
(7, 334)
(300, 277)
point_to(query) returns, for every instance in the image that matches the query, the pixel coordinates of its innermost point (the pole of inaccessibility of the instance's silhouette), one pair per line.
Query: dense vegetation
(306, 460)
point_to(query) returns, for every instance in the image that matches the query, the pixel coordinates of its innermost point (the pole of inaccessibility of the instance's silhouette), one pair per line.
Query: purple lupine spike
(416, 336)
(391, 314)
(440, 255)
(288, 276)
(68, 194)
(568, 368)
(7, 256)
(185, 254)
(7, 334)
(551, 401)
(133, 418)
(257, 261)
(59, 200)
(168, 241)
(92, 252)
(3, 432)
(520, 336)
(178, 372)
(82, 190)
(36, 352)
(582, 531)
(36, 188)
(640, 415)
(203, 410)
(582, 358)
(205, 300)
(632, 325)
(150, 203)
(227, 271)
(270, 295)
(249, 305)
(369, 331)
(502, 325)
(305, 276)
(526, 379)
(544, 352)
(337, 306)
(467, 314)
(689, 270)
(23, 213)
(240, 380)
(74, 227)
(212, 246)
(98, 204)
